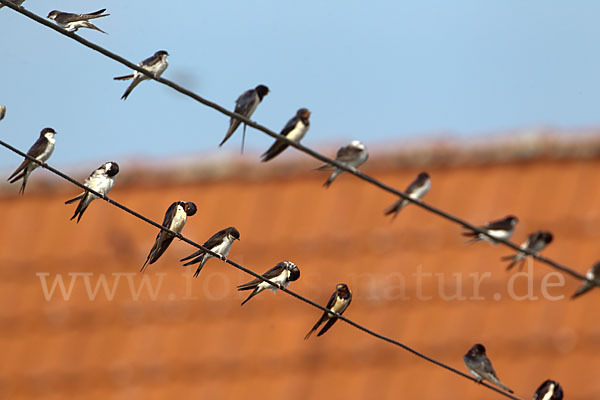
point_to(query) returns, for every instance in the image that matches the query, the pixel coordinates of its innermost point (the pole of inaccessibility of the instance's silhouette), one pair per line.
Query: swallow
(586, 286)
(537, 241)
(72, 22)
(294, 130)
(175, 219)
(156, 65)
(245, 105)
(338, 302)
(353, 155)
(41, 150)
(2, 112)
(416, 190)
(481, 367)
(101, 181)
(281, 275)
(15, 2)
(499, 229)
(548, 390)
(219, 243)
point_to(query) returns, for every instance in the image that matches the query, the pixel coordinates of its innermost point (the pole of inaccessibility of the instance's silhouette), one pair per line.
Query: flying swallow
(294, 130)
(499, 229)
(537, 241)
(2, 112)
(548, 390)
(41, 150)
(72, 22)
(338, 302)
(15, 2)
(175, 219)
(156, 65)
(481, 367)
(219, 243)
(586, 286)
(416, 190)
(245, 105)
(353, 155)
(281, 275)
(101, 181)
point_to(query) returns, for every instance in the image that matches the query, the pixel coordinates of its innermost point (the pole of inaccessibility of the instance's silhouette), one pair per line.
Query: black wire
(299, 146)
(248, 271)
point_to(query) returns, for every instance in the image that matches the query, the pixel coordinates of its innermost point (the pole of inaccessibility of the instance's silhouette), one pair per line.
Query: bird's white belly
(298, 132)
(48, 152)
(179, 220)
(500, 234)
(223, 248)
(420, 192)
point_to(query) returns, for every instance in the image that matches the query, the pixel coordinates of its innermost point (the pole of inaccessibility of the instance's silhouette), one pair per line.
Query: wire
(250, 272)
(301, 147)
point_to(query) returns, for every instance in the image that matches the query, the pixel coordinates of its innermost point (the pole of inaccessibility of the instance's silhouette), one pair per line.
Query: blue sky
(375, 71)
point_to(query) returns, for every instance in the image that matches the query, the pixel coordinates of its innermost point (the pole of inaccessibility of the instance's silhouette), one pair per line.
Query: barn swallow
(101, 181)
(586, 286)
(156, 65)
(41, 150)
(2, 112)
(245, 105)
(549, 390)
(499, 229)
(338, 302)
(15, 2)
(281, 275)
(72, 22)
(175, 219)
(219, 243)
(416, 190)
(294, 130)
(537, 241)
(481, 367)
(353, 155)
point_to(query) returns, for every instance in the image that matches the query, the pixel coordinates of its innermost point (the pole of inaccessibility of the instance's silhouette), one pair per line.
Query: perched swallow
(481, 367)
(281, 275)
(416, 190)
(586, 286)
(157, 64)
(338, 302)
(500, 229)
(353, 155)
(219, 243)
(245, 105)
(15, 2)
(101, 181)
(72, 22)
(41, 150)
(175, 219)
(537, 241)
(549, 390)
(294, 130)
(2, 112)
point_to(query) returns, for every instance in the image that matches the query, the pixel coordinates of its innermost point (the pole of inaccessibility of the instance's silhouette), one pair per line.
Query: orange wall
(195, 341)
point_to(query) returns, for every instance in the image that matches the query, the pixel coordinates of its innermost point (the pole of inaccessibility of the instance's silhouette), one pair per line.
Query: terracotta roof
(193, 340)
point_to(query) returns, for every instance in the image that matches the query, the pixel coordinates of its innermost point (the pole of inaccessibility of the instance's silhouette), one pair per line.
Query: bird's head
(111, 168)
(190, 208)
(262, 91)
(53, 14)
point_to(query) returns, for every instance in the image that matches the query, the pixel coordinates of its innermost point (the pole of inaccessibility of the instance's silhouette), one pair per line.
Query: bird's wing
(65, 18)
(270, 274)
